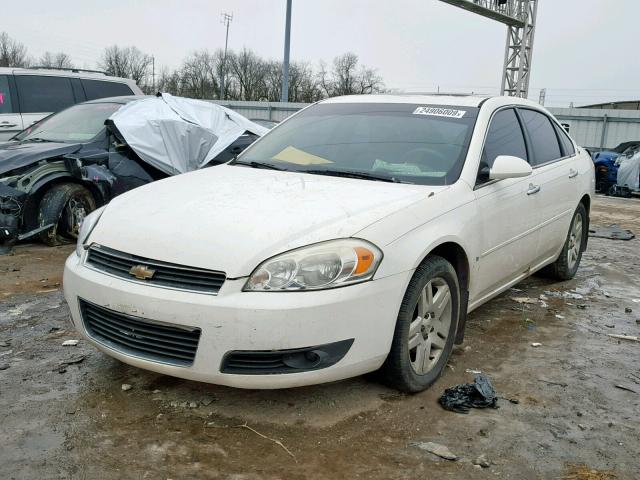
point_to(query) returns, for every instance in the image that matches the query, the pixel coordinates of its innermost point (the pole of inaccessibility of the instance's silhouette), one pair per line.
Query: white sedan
(353, 237)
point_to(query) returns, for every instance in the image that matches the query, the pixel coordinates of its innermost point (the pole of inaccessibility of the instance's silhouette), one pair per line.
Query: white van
(27, 95)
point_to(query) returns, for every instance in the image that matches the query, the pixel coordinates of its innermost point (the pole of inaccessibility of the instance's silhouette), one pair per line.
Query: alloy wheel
(430, 326)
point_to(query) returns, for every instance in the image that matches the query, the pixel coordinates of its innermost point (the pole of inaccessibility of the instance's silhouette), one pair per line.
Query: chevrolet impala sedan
(354, 237)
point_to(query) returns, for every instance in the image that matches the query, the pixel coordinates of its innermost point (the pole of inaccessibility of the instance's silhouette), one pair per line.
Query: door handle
(533, 189)
(573, 173)
(8, 125)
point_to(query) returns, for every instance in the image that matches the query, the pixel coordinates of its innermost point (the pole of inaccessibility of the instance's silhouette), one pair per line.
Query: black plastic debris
(479, 394)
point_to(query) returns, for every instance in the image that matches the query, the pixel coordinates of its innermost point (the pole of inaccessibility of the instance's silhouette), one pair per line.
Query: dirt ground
(64, 414)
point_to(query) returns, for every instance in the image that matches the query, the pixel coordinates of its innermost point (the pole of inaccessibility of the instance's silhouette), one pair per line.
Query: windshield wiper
(353, 174)
(252, 164)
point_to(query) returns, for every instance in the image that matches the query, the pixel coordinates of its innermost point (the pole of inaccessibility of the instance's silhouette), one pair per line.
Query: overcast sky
(585, 50)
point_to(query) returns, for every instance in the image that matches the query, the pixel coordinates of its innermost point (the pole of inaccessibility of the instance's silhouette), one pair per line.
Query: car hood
(231, 218)
(17, 155)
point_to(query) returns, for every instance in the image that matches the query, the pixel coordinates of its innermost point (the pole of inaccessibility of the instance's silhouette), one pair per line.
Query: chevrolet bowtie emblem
(142, 272)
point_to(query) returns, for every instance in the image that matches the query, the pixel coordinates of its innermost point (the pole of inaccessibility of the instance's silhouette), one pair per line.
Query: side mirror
(506, 166)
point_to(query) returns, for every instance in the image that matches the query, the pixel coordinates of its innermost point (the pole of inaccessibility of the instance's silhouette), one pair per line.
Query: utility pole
(543, 96)
(226, 20)
(284, 97)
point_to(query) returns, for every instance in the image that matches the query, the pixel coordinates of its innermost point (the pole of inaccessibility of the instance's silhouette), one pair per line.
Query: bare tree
(127, 62)
(55, 60)
(199, 75)
(249, 71)
(12, 53)
(348, 78)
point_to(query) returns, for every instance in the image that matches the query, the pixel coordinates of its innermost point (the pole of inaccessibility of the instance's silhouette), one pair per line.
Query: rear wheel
(425, 329)
(65, 206)
(566, 266)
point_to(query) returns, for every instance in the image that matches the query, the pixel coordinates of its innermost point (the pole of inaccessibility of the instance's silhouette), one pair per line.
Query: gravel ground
(64, 412)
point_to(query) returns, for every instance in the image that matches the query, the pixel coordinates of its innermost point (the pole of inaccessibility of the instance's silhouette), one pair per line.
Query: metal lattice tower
(520, 18)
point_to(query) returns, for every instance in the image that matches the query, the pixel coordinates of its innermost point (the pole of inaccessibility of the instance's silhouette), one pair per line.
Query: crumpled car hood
(16, 155)
(231, 218)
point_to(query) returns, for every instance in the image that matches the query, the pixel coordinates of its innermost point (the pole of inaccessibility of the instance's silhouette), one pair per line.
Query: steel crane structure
(520, 18)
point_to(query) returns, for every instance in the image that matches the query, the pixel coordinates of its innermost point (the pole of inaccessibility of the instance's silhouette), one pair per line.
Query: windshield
(79, 123)
(409, 143)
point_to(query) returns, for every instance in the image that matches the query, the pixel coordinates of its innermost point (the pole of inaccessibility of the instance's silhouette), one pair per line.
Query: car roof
(448, 99)
(123, 99)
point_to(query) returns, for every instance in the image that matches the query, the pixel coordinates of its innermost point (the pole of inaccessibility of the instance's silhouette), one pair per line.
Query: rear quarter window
(103, 89)
(44, 94)
(567, 145)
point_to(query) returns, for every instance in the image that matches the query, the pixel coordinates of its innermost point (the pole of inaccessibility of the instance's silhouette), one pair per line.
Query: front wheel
(425, 328)
(566, 266)
(65, 206)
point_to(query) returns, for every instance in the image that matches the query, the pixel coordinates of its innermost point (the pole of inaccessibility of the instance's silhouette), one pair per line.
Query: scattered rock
(70, 343)
(628, 310)
(126, 387)
(193, 404)
(482, 461)
(582, 306)
(206, 401)
(581, 427)
(579, 414)
(536, 344)
(610, 326)
(72, 360)
(5, 343)
(483, 433)
(560, 317)
(525, 300)
(156, 391)
(4, 366)
(435, 448)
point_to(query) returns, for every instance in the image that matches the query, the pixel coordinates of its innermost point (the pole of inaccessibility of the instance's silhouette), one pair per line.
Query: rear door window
(102, 89)
(503, 138)
(44, 94)
(542, 136)
(6, 105)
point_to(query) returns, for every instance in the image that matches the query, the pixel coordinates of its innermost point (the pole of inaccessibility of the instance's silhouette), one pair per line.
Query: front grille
(261, 362)
(139, 337)
(165, 274)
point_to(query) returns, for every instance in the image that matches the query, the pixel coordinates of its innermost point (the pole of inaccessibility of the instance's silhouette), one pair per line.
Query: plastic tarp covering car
(629, 173)
(178, 135)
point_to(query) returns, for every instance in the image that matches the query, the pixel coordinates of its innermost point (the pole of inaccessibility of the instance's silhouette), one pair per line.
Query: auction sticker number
(439, 112)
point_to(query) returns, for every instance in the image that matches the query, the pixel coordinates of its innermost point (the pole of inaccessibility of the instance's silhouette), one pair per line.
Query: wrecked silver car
(59, 170)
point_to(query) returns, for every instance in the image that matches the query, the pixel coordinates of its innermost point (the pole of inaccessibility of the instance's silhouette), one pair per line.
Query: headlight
(324, 265)
(86, 227)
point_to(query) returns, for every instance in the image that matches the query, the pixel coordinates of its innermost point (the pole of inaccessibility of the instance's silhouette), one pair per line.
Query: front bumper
(235, 320)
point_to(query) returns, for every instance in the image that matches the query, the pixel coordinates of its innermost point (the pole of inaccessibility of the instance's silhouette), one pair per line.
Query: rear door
(10, 119)
(554, 173)
(506, 213)
(41, 95)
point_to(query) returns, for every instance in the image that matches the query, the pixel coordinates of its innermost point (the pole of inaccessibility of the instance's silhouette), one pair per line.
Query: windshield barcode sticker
(439, 112)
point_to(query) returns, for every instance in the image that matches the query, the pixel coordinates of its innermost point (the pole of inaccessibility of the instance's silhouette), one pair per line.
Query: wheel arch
(457, 256)
(32, 204)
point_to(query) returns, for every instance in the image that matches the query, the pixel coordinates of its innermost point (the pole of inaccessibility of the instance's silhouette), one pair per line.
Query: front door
(507, 216)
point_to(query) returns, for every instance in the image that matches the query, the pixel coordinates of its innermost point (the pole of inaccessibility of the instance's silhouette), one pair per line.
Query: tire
(566, 265)
(64, 205)
(413, 331)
